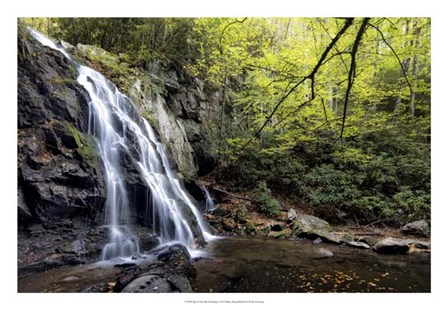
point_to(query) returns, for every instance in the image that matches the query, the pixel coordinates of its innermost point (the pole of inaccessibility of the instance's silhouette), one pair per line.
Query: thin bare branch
(311, 76)
(396, 56)
(352, 72)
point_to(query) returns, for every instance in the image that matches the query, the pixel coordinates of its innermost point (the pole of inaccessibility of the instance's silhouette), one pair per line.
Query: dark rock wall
(60, 179)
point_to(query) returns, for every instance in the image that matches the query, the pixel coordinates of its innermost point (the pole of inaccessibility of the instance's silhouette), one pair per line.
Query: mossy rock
(283, 234)
(111, 65)
(86, 145)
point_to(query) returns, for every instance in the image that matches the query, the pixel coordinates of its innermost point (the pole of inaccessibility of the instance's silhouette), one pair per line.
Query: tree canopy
(334, 110)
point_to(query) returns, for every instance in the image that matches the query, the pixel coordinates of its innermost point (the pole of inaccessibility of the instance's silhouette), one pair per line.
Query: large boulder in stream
(312, 227)
(400, 246)
(172, 272)
(417, 228)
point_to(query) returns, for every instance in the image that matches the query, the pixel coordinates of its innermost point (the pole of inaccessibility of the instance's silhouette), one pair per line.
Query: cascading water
(209, 204)
(118, 127)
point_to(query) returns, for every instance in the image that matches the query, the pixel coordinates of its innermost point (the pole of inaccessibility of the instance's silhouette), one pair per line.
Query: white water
(209, 204)
(118, 127)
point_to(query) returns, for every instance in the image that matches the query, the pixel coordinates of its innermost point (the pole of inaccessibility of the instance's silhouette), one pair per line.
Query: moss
(86, 145)
(250, 228)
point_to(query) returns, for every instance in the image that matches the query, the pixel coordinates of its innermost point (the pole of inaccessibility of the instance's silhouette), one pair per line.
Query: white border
(194, 8)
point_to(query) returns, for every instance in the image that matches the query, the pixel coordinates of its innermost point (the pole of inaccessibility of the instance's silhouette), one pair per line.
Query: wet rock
(312, 227)
(321, 253)
(59, 176)
(67, 46)
(392, 246)
(347, 238)
(58, 260)
(292, 215)
(419, 244)
(148, 284)
(358, 244)
(276, 227)
(317, 241)
(369, 240)
(177, 258)
(417, 228)
(283, 234)
(180, 284)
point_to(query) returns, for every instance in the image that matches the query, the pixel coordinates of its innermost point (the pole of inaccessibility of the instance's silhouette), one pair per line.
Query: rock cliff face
(61, 189)
(180, 107)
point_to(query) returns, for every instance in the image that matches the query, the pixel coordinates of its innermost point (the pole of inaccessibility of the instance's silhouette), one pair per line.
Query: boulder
(347, 238)
(276, 227)
(180, 284)
(392, 246)
(317, 241)
(283, 234)
(369, 240)
(417, 228)
(321, 253)
(312, 227)
(148, 284)
(358, 244)
(292, 215)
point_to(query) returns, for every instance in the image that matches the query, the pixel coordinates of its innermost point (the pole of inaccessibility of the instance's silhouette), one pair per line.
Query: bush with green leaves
(264, 200)
(380, 175)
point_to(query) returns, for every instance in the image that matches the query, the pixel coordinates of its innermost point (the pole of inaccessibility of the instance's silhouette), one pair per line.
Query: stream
(264, 265)
(255, 264)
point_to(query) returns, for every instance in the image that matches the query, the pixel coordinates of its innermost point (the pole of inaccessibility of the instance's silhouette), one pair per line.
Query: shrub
(267, 204)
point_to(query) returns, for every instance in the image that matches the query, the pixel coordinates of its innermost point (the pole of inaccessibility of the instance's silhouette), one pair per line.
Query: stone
(321, 253)
(419, 244)
(369, 240)
(292, 215)
(312, 227)
(358, 244)
(276, 227)
(417, 228)
(347, 238)
(176, 257)
(392, 246)
(317, 241)
(67, 46)
(180, 284)
(283, 234)
(148, 284)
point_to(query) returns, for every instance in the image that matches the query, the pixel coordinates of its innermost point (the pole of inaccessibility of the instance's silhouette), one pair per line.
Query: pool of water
(242, 264)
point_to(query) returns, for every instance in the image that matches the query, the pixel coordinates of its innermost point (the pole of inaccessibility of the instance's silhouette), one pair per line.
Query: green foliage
(111, 65)
(86, 145)
(379, 168)
(264, 200)
(241, 215)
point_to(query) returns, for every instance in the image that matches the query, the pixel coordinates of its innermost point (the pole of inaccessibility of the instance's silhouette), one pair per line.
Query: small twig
(379, 221)
(396, 56)
(231, 195)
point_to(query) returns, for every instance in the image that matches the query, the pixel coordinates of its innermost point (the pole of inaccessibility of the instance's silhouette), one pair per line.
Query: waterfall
(209, 204)
(118, 128)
